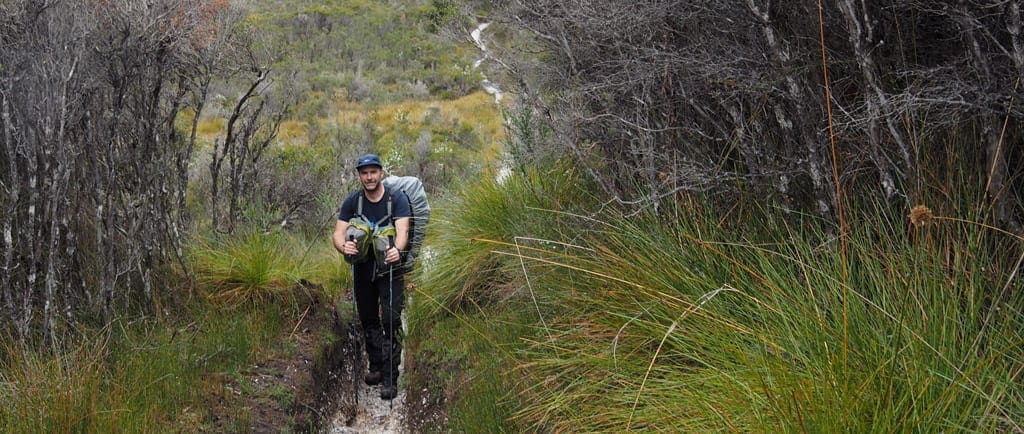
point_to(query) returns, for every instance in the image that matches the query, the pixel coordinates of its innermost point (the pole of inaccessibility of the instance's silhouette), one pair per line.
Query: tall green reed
(460, 269)
(467, 281)
(765, 332)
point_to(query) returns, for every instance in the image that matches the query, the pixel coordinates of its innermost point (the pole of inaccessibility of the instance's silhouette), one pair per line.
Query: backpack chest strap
(359, 208)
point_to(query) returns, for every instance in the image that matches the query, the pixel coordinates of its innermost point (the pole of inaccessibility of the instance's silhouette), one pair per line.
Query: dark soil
(427, 401)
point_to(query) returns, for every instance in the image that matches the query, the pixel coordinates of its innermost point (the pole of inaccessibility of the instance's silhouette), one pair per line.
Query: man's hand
(393, 255)
(349, 248)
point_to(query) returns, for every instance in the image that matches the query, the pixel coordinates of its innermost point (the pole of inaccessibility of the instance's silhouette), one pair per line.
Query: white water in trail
(505, 169)
(375, 415)
(488, 85)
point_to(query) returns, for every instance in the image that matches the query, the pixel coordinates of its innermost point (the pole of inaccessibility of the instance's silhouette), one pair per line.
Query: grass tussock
(467, 262)
(250, 266)
(469, 312)
(47, 393)
(173, 373)
(748, 320)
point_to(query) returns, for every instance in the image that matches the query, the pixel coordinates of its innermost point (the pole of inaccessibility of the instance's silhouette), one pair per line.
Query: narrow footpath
(374, 415)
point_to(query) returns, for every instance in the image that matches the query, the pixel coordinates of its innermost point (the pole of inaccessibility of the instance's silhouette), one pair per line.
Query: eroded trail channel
(360, 408)
(373, 415)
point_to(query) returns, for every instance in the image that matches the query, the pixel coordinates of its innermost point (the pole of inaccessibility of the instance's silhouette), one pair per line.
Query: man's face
(370, 177)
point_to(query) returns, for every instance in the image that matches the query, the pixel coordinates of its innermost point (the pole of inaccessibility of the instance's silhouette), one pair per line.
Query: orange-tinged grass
(477, 108)
(292, 130)
(209, 127)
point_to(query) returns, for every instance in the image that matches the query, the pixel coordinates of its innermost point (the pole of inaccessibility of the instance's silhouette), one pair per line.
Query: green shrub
(460, 268)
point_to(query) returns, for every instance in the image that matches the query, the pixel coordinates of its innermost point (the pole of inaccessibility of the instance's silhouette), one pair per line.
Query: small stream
(504, 170)
(488, 85)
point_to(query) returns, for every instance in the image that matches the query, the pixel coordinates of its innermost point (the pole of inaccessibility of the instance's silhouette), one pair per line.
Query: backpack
(420, 206)
(370, 236)
(360, 230)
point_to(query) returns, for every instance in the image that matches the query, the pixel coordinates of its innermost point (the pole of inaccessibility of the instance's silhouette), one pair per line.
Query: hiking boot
(373, 378)
(390, 388)
(389, 391)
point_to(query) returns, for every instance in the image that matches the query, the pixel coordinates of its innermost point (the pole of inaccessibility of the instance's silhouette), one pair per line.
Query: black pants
(379, 301)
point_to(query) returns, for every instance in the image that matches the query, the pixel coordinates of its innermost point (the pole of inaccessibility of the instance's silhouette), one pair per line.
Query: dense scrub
(801, 102)
(95, 162)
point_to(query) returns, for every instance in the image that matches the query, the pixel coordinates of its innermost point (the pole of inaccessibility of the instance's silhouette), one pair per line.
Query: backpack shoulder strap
(387, 217)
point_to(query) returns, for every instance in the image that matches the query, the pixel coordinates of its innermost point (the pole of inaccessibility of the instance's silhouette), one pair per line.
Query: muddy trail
(318, 387)
(359, 407)
(362, 410)
(371, 415)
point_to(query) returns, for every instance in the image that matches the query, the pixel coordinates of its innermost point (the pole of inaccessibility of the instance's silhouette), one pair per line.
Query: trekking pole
(357, 354)
(391, 327)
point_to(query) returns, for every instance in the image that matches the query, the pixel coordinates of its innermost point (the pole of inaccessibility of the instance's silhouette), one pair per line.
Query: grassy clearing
(477, 108)
(749, 320)
(476, 112)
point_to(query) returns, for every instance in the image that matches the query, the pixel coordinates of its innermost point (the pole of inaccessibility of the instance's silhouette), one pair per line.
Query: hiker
(378, 284)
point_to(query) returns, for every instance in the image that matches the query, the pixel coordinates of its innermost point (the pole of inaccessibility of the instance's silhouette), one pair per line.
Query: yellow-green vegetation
(747, 319)
(478, 110)
(291, 130)
(397, 124)
(377, 51)
(361, 76)
(462, 133)
(209, 128)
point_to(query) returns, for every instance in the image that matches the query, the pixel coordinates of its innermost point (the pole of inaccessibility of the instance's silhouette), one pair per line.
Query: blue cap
(368, 160)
